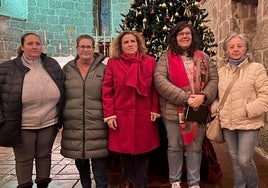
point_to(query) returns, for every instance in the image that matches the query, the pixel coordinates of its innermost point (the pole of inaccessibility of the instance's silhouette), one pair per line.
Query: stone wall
(10, 29)
(54, 16)
(118, 8)
(57, 17)
(260, 41)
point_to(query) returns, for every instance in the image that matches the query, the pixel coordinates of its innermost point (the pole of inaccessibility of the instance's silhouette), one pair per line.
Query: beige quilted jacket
(247, 101)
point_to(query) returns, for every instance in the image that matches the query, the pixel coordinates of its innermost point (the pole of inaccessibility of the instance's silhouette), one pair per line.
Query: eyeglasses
(183, 33)
(85, 47)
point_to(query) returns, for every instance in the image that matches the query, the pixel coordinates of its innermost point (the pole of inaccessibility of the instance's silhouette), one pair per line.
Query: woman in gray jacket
(184, 76)
(84, 135)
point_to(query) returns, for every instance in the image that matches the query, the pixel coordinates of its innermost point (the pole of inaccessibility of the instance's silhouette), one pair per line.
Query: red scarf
(135, 76)
(179, 77)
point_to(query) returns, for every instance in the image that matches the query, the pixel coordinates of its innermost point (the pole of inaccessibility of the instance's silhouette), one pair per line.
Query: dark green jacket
(84, 132)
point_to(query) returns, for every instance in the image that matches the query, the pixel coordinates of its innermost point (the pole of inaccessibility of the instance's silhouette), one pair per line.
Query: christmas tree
(155, 18)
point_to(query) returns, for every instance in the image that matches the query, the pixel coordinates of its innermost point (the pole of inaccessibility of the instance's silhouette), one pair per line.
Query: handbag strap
(228, 89)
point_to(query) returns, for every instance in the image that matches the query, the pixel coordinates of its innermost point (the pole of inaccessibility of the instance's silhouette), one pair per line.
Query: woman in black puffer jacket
(31, 100)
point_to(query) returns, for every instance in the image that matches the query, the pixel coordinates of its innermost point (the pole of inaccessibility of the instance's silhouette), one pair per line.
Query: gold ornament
(164, 5)
(148, 43)
(202, 25)
(176, 14)
(165, 28)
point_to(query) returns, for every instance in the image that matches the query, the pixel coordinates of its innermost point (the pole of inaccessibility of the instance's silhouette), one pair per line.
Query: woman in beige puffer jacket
(242, 115)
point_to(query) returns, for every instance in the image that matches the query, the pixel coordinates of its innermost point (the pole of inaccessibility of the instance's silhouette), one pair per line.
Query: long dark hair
(172, 39)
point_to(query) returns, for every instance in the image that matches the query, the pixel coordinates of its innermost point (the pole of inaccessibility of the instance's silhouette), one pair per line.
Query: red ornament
(212, 39)
(167, 17)
(153, 36)
(152, 11)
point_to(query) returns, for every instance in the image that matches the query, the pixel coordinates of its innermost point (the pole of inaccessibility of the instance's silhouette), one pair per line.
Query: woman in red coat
(130, 104)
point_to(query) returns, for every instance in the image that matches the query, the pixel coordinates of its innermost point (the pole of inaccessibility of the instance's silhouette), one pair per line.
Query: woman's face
(32, 47)
(129, 44)
(184, 38)
(85, 49)
(236, 48)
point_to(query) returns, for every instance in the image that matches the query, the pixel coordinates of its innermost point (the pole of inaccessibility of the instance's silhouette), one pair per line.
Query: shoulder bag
(214, 130)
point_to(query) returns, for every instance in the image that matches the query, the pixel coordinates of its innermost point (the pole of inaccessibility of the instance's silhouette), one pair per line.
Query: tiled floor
(65, 175)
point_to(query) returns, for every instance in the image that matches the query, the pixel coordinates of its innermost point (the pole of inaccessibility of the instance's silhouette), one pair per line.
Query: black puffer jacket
(11, 83)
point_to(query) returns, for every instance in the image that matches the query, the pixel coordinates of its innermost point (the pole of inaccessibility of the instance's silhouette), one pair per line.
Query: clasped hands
(196, 100)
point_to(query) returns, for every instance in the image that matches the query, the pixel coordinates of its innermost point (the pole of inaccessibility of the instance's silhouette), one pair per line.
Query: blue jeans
(193, 153)
(241, 146)
(99, 169)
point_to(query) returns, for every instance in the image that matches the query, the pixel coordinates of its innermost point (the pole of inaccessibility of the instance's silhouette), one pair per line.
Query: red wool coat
(135, 134)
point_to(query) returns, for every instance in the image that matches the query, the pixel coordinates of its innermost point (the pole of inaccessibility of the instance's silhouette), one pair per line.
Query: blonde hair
(116, 46)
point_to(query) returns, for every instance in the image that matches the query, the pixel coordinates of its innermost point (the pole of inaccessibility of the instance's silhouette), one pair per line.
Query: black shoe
(26, 185)
(43, 183)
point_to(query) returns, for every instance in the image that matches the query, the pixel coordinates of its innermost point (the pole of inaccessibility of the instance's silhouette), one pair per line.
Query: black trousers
(134, 168)
(99, 169)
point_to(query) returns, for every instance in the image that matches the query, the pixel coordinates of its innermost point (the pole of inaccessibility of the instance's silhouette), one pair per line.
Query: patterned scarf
(179, 78)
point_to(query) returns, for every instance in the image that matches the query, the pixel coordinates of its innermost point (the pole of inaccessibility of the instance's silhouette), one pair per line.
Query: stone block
(250, 26)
